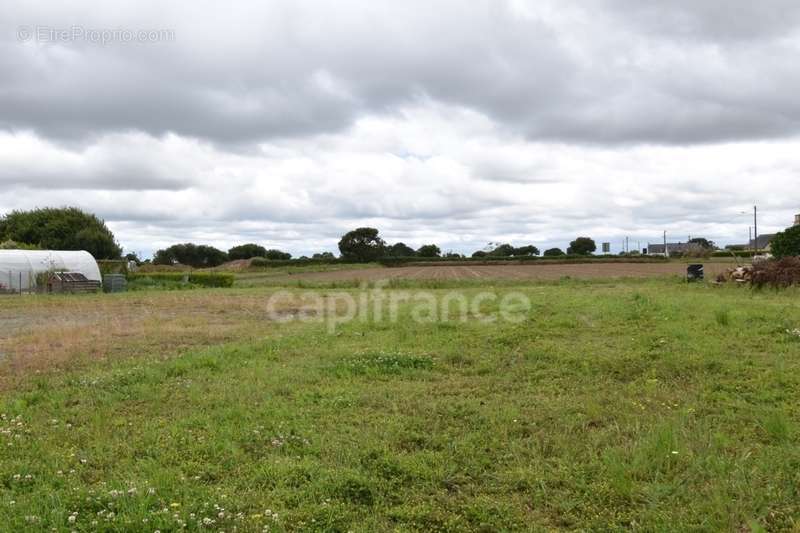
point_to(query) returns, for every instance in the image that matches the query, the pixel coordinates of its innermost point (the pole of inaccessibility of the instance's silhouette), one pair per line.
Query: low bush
(146, 283)
(733, 253)
(776, 273)
(200, 279)
(264, 262)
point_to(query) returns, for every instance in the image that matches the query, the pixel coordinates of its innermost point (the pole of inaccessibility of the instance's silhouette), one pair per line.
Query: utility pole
(666, 250)
(749, 237)
(755, 227)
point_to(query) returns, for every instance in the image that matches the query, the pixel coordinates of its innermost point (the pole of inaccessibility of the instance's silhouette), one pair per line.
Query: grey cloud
(711, 20)
(113, 164)
(295, 69)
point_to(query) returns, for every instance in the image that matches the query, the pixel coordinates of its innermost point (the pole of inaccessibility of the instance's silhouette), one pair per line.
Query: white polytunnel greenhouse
(19, 268)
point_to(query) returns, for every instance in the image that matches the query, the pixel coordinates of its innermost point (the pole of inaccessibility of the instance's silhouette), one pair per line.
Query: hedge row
(274, 263)
(737, 253)
(204, 279)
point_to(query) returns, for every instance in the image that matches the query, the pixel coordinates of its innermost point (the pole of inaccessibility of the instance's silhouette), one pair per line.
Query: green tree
(703, 242)
(277, 255)
(323, 255)
(480, 253)
(429, 250)
(246, 251)
(553, 252)
(400, 249)
(786, 243)
(524, 251)
(194, 255)
(503, 250)
(362, 245)
(582, 246)
(65, 228)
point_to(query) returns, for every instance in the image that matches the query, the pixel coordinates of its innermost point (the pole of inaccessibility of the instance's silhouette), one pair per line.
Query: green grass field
(654, 405)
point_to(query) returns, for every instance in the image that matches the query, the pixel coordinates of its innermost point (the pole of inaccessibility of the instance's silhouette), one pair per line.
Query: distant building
(797, 220)
(764, 242)
(672, 247)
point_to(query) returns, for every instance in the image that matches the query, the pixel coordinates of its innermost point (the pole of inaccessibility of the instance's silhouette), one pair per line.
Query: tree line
(365, 244)
(361, 245)
(69, 228)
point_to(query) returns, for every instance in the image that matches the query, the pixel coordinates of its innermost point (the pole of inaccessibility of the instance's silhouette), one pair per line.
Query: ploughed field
(538, 271)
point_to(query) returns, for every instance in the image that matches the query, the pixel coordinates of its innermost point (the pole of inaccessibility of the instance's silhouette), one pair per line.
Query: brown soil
(519, 272)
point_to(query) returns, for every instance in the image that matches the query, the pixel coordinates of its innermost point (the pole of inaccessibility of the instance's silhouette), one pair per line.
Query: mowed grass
(614, 405)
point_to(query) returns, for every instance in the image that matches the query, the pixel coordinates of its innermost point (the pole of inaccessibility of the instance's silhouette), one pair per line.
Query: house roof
(763, 240)
(671, 246)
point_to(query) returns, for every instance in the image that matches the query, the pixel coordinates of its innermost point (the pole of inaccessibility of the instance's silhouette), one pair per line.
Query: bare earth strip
(519, 272)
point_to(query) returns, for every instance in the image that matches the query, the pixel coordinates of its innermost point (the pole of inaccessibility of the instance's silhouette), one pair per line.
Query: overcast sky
(287, 123)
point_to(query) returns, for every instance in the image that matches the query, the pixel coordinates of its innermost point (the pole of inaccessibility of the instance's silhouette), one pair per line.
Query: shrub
(776, 273)
(246, 251)
(202, 279)
(323, 255)
(733, 253)
(429, 250)
(66, 228)
(194, 255)
(400, 249)
(260, 262)
(786, 243)
(524, 251)
(13, 245)
(503, 250)
(694, 249)
(277, 255)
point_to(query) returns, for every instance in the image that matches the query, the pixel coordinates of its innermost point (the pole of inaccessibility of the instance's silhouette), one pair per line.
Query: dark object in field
(694, 272)
(777, 273)
(115, 283)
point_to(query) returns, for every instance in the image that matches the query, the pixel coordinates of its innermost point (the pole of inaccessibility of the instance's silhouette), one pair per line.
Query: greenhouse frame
(20, 268)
